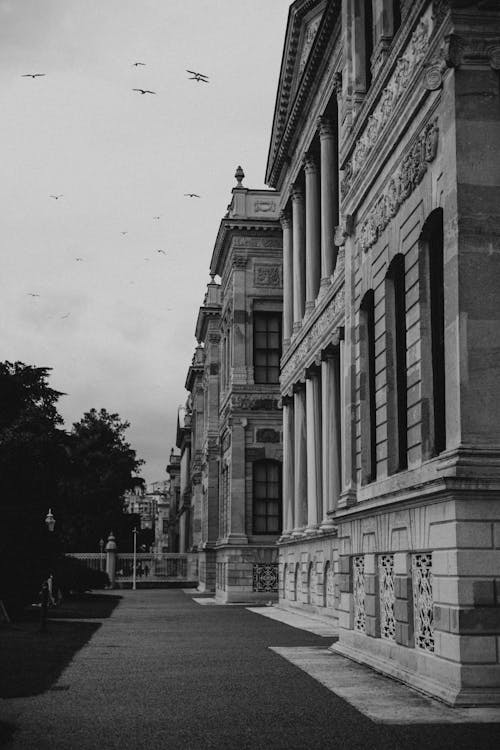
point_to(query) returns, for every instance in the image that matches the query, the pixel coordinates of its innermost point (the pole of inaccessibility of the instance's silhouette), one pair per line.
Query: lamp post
(101, 552)
(134, 532)
(46, 594)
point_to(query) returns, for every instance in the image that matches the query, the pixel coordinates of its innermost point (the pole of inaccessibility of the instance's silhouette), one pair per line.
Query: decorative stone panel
(423, 601)
(267, 275)
(387, 597)
(267, 435)
(265, 577)
(358, 589)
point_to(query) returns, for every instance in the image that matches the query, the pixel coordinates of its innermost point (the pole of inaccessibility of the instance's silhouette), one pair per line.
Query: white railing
(166, 566)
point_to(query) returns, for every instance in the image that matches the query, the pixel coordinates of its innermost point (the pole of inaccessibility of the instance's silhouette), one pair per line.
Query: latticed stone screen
(423, 601)
(387, 597)
(358, 588)
(330, 587)
(265, 577)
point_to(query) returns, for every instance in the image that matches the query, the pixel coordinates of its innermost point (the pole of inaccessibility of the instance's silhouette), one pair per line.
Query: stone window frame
(267, 463)
(396, 364)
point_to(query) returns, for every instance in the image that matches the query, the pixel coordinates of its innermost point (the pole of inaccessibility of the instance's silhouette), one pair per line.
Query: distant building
(232, 437)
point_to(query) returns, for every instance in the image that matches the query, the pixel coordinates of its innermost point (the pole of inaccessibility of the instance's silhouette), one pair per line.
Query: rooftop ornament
(239, 176)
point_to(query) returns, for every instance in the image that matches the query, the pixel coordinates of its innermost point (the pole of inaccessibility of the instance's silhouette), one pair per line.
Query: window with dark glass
(266, 347)
(367, 380)
(396, 364)
(434, 235)
(266, 497)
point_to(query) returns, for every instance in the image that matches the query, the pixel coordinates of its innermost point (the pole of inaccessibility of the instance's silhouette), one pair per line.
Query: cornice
(227, 230)
(287, 115)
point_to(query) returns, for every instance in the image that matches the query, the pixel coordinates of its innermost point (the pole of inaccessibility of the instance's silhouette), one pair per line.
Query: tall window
(432, 237)
(368, 33)
(266, 497)
(266, 347)
(367, 388)
(396, 365)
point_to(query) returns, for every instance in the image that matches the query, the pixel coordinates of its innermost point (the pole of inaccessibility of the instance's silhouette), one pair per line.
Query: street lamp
(134, 532)
(50, 521)
(46, 593)
(101, 558)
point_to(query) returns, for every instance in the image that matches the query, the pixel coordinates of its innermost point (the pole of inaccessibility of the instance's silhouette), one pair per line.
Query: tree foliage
(81, 475)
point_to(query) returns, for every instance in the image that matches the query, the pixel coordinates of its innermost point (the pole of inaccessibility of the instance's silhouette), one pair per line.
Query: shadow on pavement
(31, 661)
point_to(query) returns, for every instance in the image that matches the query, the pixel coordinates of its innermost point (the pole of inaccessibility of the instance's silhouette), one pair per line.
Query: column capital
(287, 400)
(297, 193)
(313, 371)
(344, 229)
(285, 218)
(310, 163)
(326, 127)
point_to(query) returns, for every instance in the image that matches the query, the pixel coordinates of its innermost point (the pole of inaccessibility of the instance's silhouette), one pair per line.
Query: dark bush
(72, 574)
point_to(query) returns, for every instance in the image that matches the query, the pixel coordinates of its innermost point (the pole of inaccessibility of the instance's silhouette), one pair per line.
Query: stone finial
(111, 545)
(239, 176)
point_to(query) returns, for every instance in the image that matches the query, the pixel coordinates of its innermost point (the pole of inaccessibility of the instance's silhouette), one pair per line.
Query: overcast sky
(117, 327)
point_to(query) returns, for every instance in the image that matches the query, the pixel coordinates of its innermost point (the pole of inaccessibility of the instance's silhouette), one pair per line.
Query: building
(235, 445)
(385, 153)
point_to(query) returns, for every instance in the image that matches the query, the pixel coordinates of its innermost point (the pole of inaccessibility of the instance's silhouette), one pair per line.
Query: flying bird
(123, 232)
(78, 258)
(162, 252)
(200, 77)
(192, 195)
(156, 217)
(32, 75)
(56, 197)
(138, 63)
(144, 91)
(65, 316)
(32, 294)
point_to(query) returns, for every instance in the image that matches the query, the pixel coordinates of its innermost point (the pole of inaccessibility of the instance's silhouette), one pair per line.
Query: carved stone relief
(258, 242)
(406, 178)
(266, 275)
(264, 207)
(397, 86)
(315, 337)
(309, 36)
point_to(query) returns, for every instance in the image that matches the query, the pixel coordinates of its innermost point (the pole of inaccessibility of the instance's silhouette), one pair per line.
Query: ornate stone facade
(388, 174)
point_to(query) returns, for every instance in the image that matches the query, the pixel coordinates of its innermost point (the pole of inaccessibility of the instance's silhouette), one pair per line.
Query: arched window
(367, 387)
(397, 409)
(433, 353)
(267, 497)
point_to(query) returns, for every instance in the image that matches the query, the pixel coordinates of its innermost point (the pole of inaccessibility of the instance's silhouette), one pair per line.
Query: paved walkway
(165, 673)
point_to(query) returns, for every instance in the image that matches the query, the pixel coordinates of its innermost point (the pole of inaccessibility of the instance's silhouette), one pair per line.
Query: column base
(235, 539)
(347, 499)
(327, 524)
(298, 533)
(310, 307)
(311, 530)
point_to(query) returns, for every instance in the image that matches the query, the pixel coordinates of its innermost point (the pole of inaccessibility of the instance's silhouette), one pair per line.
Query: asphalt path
(166, 673)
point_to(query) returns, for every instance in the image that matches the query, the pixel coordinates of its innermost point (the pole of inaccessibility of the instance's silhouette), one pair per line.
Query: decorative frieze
(271, 243)
(387, 597)
(315, 338)
(406, 178)
(394, 91)
(423, 601)
(253, 402)
(267, 275)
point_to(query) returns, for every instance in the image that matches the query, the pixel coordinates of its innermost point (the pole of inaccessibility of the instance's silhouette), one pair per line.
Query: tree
(33, 457)
(102, 467)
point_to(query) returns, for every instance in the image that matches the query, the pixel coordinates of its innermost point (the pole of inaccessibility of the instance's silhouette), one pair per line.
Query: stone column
(299, 256)
(286, 223)
(288, 468)
(313, 419)
(300, 461)
(237, 345)
(331, 435)
(236, 500)
(313, 231)
(329, 197)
